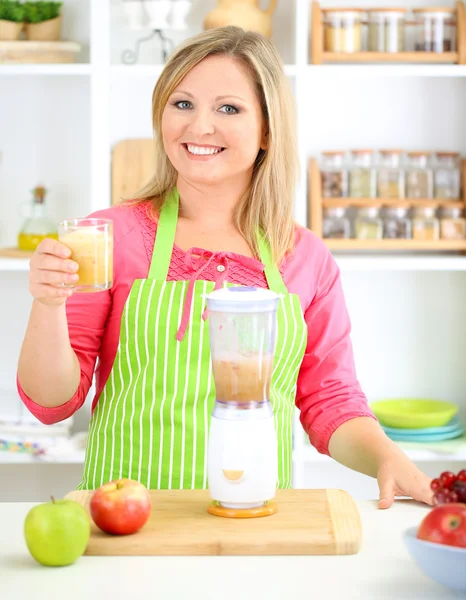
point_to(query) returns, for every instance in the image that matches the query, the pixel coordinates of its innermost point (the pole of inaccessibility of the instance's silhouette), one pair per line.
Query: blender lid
(243, 299)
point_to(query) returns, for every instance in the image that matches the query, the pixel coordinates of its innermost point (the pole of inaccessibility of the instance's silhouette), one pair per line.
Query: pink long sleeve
(328, 392)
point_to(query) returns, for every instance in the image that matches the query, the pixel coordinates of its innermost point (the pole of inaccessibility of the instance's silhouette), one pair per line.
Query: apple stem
(53, 499)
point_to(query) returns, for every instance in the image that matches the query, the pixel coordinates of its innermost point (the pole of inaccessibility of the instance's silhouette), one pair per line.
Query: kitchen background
(60, 123)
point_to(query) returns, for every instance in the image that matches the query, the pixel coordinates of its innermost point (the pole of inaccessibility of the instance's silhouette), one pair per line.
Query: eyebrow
(216, 99)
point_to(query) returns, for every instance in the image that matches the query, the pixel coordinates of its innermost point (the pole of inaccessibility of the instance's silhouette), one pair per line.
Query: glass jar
(447, 175)
(336, 225)
(435, 29)
(334, 176)
(425, 224)
(363, 175)
(452, 224)
(386, 29)
(367, 224)
(397, 224)
(342, 30)
(419, 176)
(390, 175)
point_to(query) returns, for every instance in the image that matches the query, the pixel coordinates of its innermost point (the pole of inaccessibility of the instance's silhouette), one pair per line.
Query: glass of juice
(91, 244)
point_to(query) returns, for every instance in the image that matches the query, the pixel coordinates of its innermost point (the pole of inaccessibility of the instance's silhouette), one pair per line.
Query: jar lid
(338, 10)
(388, 10)
(242, 299)
(362, 151)
(391, 151)
(447, 153)
(444, 9)
(419, 153)
(333, 152)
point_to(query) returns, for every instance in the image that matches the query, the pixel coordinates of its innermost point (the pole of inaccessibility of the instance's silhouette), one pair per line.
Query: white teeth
(202, 150)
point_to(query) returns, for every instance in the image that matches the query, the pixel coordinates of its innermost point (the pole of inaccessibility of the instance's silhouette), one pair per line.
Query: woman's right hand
(50, 270)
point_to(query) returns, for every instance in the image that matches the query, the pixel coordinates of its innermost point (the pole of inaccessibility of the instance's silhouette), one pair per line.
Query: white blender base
(242, 461)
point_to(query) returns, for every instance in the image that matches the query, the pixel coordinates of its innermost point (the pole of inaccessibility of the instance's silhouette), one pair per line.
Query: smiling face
(212, 125)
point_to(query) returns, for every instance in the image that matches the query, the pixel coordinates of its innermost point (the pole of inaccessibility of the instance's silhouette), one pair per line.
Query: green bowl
(413, 413)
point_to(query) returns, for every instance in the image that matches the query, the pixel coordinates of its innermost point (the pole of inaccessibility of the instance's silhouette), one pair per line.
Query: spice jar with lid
(390, 175)
(419, 176)
(447, 175)
(336, 225)
(334, 175)
(397, 224)
(386, 29)
(367, 224)
(425, 224)
(363, 175)
(342, 30)
(452, 224)
(435, 29)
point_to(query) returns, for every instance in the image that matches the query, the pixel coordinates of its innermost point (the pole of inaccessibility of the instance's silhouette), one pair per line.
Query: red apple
(445, 524)
(120, 507)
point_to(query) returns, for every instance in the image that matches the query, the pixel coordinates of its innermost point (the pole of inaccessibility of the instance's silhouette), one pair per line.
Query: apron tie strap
(203, 254)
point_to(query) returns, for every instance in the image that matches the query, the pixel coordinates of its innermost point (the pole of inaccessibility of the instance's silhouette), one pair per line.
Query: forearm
(362, 445)
(48, 368)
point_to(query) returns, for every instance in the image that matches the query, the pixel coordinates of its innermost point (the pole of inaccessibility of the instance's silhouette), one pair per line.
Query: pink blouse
(328, 392)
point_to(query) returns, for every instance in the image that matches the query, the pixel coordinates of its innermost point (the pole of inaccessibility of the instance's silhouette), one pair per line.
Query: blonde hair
(268, 204)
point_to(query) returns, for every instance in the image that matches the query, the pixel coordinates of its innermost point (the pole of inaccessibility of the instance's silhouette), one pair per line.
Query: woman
(225, 170)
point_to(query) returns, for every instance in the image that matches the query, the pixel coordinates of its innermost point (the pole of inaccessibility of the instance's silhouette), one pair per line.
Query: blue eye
(229, 109)
(182, 104)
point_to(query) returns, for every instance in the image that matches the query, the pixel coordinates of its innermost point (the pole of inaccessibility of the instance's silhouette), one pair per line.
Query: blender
(242, 456)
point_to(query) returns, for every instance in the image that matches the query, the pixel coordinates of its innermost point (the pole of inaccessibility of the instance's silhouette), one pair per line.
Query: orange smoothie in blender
(91, 245)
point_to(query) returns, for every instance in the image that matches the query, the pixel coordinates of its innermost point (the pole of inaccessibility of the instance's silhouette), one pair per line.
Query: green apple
(57, 532)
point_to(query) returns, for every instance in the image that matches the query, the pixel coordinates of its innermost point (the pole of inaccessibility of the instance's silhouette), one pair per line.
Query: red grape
(461, 475)
(435, 484)
(459, 487)
(448, 479)
(441, 497)
(453, 497)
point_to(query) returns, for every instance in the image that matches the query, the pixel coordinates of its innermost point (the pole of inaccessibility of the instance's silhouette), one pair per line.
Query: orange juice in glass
(91, 245)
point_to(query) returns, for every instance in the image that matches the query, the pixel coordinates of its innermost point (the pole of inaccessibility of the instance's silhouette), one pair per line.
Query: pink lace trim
(183, 265)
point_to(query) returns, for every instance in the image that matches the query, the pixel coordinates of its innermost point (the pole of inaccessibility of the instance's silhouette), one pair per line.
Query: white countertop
(381, 570)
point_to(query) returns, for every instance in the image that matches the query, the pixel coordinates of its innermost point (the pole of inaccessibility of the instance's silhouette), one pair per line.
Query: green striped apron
(151, 422)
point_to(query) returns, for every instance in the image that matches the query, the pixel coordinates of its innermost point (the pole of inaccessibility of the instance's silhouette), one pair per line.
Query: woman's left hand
(398, 476)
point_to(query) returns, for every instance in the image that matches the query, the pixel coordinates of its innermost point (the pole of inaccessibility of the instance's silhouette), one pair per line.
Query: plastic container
(447, 180)
(413, 413)
(425, 224)
(419, 176)
(390, 175)
(342, 30)
(334, 175)
(397, 224)
(367, 224)
(386, 29)
(435, 29)
(452, 224)
(363, 175)
(336, 225)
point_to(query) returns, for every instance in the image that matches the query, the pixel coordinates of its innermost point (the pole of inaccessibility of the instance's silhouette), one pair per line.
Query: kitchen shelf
(18, 458)
(387, 70)
(155, 70)
(400, 263)
(46, 69)
(319, 56)
(316, 203)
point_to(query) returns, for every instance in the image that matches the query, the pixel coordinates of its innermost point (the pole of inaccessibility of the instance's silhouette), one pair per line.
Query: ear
(265, 140)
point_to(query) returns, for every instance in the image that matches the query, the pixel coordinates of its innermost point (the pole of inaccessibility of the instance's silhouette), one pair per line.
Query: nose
(202, 123)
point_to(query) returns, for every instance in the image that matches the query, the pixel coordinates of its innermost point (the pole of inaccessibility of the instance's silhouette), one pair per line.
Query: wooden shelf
(379, 202)
(391, 57)
(320, 56)
(317, 203)
(14, 253)
(411, 245)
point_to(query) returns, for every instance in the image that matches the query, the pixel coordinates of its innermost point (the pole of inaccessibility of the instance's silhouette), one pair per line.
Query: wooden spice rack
(316, 204)
(320, 56)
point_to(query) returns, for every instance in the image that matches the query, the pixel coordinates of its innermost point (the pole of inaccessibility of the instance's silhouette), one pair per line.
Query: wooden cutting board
(132, 167)
(307, 522)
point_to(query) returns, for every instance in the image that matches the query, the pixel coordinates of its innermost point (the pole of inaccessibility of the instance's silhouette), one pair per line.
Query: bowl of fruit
(438, 544)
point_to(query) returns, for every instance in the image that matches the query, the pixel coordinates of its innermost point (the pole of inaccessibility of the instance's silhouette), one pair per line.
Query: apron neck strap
(165, 239)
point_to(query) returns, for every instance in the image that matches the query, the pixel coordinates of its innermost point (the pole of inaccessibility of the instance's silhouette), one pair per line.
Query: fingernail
(72, 266)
